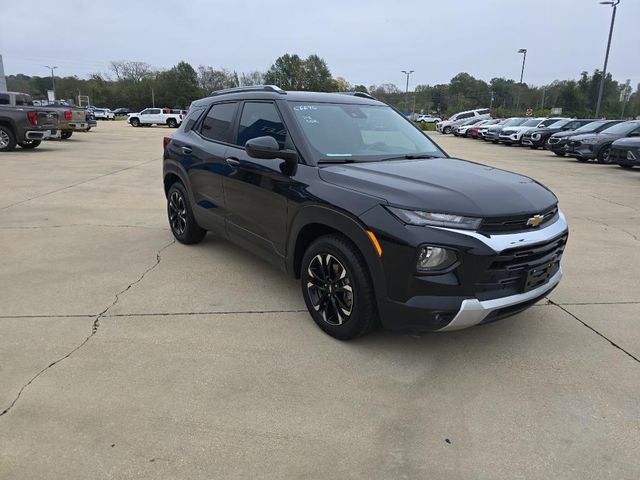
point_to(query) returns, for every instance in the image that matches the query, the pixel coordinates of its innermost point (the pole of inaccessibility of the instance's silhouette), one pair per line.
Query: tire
(626, 166)
(346, 308)
(181, 220)
(446, 130)
(533, 147)
(65, 134)
(134, 122)
(171, 123)
(29, 144)
(7, 139)
(582, 160)
(560, 154)
(603, 155)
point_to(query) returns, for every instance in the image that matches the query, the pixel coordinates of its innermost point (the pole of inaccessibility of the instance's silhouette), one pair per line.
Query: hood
(570, 133)
(631, 142)
(445, 185)
(600, 136)
(519, 129)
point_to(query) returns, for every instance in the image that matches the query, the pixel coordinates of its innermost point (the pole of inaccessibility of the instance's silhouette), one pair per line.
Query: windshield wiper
(412, 156)
(336, 160)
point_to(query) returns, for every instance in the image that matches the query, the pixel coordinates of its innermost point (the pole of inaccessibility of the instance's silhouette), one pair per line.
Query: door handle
(233, 162)
(186, 150)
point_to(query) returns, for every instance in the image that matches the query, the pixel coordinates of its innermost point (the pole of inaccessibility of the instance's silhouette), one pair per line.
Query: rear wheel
(181, 220)
(626, 165)
(337, 288)
(171, 123)
(604, 155)
(134, 122)
(66, 134)
(7, 139)
(29, 144)
(446, 130)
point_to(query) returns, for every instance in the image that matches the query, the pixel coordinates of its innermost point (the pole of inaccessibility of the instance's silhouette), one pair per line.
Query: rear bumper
(35, 134)
(81, 126)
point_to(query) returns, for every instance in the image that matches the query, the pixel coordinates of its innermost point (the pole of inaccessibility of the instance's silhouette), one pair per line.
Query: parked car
(513, 135)
(462, 129)
(455, 119)
(492, 134)
(477, 131)
(427, 119)
(91, 119)
(24, 125)
(626, 152)
(537, 137)
(597, 146)
(122, 112)
(375, 229)
(71, 118)
(155, 116)
(557, 142)
(103, 114)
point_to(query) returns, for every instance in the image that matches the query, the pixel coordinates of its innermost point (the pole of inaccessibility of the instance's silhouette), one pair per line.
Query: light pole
(524, 59)
(53, 80)
(406, 92)
(614, 4)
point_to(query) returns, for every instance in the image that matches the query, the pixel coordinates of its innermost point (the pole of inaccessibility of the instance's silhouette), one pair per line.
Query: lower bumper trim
(473, 311)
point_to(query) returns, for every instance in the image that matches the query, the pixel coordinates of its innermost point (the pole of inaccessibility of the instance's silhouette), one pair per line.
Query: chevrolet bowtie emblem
(535, 220)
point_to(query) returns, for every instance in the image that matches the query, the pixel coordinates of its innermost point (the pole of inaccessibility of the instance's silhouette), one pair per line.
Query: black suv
(557, 142)
(376, 220)
(537, 138)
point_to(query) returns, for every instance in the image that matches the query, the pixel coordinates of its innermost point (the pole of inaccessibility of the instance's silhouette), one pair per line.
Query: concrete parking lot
(124, 354)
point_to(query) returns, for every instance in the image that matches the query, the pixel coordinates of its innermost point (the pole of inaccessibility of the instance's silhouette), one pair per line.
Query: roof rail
(251, 88)
(358, 94)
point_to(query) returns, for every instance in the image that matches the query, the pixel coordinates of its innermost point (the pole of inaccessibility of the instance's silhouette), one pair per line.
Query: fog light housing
(432, 258)
(630, 155)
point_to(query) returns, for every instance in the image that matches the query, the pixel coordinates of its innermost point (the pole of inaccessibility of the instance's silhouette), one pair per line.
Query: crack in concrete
(600, 222)
(95, 326)
(76, 184)
(595, 331)
(614, 203)
(74, 225)
(163, 314)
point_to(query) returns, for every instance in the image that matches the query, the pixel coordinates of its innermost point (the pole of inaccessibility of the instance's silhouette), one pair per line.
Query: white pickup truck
(155, 116)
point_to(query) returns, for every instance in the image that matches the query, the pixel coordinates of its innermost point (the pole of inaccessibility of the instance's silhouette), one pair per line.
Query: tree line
(137, 85)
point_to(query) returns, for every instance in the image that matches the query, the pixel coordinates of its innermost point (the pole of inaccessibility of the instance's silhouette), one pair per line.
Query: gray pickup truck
(25, 125)
(71, 118)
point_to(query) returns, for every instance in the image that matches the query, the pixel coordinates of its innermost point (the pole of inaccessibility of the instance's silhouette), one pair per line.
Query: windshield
(591, 126)
(513, 122)
(531, 123)
(360, 132)
(559, 124)
(622, 128)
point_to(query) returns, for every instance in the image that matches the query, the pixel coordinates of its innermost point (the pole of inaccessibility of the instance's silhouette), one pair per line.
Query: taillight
(33, 117)
(67, 115)
(166, 141)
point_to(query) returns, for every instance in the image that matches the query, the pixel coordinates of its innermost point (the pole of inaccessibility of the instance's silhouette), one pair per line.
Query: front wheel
(560, 154)
(29, 144)
(66, 134)
(446, 130)
(604, 155)
(337, 288)
(134, 122)
(181, 220)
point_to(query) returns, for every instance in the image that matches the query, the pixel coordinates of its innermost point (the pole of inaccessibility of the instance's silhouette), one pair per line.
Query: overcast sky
(364, 41)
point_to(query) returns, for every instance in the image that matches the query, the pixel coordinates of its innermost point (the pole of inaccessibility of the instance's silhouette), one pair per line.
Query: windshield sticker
(309, 119)
(338, 155)
(301, 108)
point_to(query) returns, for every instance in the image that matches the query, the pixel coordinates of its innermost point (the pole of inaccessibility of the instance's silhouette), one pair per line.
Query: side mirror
(267, 148)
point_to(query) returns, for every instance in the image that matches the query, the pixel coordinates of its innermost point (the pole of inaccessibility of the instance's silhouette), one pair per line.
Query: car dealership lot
(202, 362)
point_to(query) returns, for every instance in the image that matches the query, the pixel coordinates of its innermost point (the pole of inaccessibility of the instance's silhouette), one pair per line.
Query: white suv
(458, 118)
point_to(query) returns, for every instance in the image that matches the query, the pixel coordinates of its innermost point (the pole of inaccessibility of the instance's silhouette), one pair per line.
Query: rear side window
(217, 124)
(4, 99)
(260, 120)
(192, 118)
(24, 100)
(485, 111)
(465, 115)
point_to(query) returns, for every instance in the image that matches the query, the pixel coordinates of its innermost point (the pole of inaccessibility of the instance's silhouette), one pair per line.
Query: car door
(255, 190)
(204, 158)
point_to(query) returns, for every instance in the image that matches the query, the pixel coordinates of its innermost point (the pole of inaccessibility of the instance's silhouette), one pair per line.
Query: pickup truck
(25, 125)
(71, 119)
(157, 116)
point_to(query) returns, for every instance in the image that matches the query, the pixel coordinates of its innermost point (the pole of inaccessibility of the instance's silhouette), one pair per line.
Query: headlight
(434, 258)
(416, 217)
(630, 155)
(589, 141)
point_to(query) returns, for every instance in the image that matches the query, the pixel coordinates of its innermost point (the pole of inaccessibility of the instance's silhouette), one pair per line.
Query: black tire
(134, 122)
(7, 139)
(89, 129)
(29, 144)
(65, 134)
(171, 123)
(327, 258)
(603, 155)
(181, 220)
(582, 160)
(560, 154)
(626, 166)
(494, 141)
(446, 130)
(533, 147)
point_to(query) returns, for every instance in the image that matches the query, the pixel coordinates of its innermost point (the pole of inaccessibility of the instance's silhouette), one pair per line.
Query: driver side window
(260, 119)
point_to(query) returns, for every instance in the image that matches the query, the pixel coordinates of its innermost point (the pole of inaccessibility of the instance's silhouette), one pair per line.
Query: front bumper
(583, 151)
(509, 139)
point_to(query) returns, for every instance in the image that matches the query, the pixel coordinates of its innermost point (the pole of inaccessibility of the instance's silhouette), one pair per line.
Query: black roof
(267, 92)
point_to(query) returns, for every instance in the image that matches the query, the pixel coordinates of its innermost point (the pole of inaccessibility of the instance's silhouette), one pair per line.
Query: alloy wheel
(177, 213)
(4, 139)
(330, 289)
